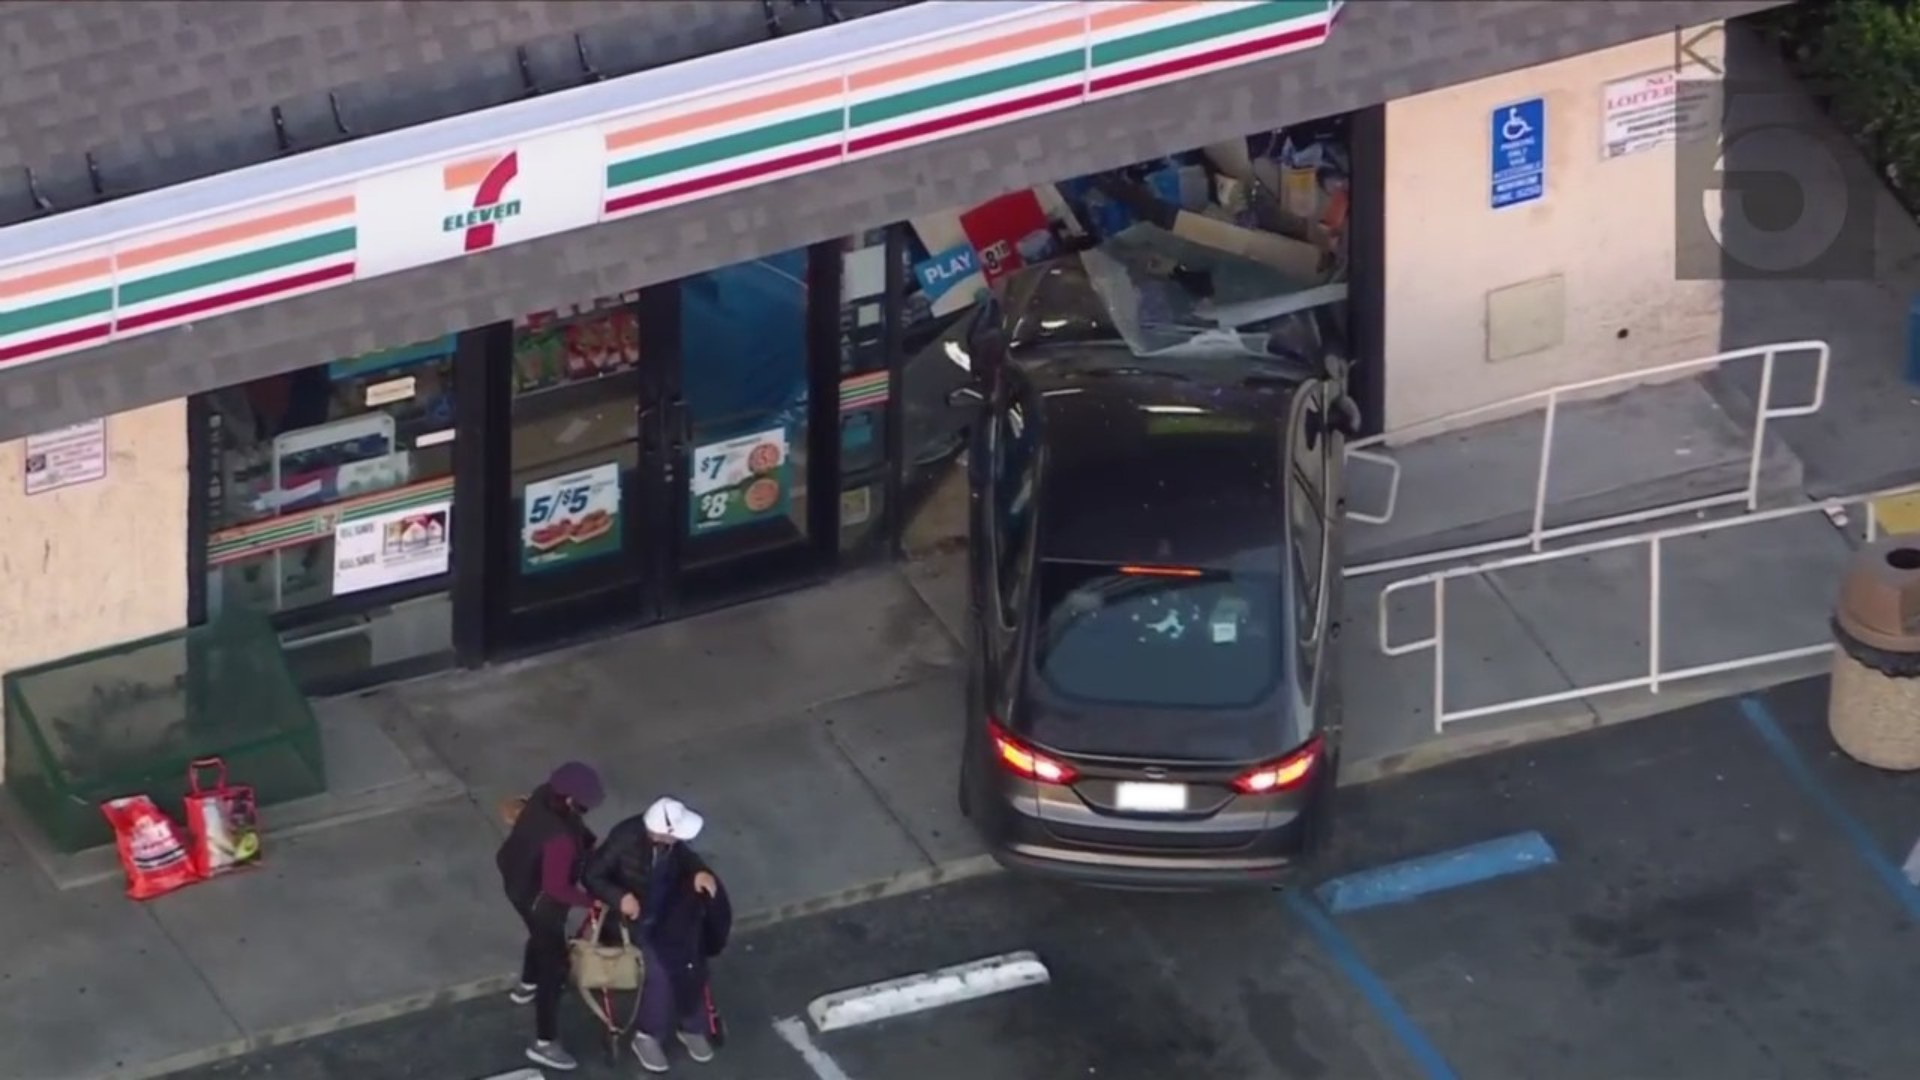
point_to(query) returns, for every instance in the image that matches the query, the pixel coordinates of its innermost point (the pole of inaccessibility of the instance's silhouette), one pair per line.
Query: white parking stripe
(927, 990)
(520, 1074)
(794, 1031)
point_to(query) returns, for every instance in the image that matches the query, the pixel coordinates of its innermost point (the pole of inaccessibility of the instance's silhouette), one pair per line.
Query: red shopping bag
(222, 820)
(151, 851)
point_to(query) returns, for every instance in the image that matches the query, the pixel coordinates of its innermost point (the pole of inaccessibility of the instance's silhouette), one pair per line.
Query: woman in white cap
(646, 869)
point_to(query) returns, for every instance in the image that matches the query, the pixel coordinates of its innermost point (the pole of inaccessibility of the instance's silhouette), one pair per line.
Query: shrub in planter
(1867, 56)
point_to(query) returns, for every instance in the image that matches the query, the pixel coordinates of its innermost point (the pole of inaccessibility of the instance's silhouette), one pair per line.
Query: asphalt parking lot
(1222, 986)
(1722, 904)
(1726, 903)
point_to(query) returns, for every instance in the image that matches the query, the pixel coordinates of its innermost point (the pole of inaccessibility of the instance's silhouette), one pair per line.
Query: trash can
(1873, 707)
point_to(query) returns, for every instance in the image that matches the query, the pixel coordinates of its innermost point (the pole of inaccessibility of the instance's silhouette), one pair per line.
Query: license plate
(1159, 797)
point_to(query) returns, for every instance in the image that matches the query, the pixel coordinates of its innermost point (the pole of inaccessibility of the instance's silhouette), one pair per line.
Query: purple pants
(660, 1014)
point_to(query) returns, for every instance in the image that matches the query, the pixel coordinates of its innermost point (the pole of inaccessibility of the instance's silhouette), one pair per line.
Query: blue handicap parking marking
(1519, 143)
(1410, 879)
(1892, 876)
(1397, 883)
(1427, 1057)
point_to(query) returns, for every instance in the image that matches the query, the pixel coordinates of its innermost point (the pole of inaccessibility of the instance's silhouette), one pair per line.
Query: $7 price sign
(568, 500)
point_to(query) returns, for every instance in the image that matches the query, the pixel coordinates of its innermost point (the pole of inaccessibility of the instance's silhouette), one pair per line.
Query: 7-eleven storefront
(668, 341)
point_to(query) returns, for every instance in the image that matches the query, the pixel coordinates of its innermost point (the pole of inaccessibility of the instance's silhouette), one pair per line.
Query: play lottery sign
(738, 481)
(570, 519)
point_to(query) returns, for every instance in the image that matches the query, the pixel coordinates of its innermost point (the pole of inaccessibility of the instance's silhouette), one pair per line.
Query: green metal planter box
(126, 720)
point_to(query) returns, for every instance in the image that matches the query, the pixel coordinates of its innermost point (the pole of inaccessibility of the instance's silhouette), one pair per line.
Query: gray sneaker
(653, 1056)
(552, 1055)
(522, 994)
(698, 1046)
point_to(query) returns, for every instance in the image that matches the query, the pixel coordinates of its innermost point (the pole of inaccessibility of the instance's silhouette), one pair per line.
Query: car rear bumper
(1020, 841)
(1114, 870)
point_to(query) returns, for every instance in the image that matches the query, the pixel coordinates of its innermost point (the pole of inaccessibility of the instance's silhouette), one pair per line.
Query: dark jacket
(682, 927)
(624, 864)
(544, 823)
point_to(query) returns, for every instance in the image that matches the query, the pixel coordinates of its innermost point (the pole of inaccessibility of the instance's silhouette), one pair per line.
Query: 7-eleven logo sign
(487, 179)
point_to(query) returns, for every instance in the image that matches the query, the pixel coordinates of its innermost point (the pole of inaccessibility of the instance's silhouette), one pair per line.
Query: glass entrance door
(578, 486)
(743, 425)
(662, 453)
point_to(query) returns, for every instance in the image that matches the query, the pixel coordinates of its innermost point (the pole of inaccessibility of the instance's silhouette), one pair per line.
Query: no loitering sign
(1650, 110)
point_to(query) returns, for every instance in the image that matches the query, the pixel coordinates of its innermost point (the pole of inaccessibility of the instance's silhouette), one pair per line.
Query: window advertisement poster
(391, 547)
(739, 481)
(63, 457)
(570, 519)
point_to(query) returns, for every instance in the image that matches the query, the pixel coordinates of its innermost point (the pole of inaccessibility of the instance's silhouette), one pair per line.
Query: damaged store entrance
(659, 454)
(1254, 257)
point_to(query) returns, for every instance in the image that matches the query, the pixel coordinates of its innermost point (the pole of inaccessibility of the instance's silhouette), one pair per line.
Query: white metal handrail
(1393, 491)
(1656, 676)
(1537, 537)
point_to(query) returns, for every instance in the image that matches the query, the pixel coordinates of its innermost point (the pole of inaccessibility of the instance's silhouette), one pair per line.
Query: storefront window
(560, 348)
(575, 450)
(332, 480)
(1234, 254)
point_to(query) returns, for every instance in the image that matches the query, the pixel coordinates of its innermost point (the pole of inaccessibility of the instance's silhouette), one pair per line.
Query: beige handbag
(601, 968)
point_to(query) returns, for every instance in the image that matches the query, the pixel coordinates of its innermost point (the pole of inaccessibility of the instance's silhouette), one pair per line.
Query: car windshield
(1156, 637)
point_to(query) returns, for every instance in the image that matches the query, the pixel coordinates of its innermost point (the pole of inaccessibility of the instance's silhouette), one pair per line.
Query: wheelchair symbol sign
(1519, 144)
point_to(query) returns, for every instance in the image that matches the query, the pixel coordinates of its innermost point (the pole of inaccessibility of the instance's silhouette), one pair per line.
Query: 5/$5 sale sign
(570, 519)
(739, 480)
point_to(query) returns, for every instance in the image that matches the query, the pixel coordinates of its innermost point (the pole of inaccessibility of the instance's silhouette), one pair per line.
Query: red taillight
(1022, 760)
(1161, 571)
(1289, 771)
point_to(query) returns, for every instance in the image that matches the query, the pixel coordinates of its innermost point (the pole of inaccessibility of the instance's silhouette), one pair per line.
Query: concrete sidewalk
(816, 731)
(1706, 917)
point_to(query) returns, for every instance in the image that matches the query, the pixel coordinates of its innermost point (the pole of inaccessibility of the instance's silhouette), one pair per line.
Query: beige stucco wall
(1606, 228)
(98, 563)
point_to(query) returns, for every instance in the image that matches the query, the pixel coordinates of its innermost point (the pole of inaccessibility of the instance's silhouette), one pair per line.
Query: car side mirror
(1347, 418)
(965, 397)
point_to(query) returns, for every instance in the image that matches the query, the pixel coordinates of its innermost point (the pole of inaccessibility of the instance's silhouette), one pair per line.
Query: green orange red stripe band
(260, 291)
(1104, 83)
(984, 114)
(66, 339)
(743, 174)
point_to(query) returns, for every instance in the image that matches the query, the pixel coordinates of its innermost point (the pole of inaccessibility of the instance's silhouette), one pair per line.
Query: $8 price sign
(709, 469)
(567, 501)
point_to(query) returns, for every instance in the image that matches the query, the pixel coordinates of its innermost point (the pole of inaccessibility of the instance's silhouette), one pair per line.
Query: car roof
(1146, 467)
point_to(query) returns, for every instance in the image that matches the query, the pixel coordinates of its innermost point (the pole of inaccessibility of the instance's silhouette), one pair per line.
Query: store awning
(594, 154)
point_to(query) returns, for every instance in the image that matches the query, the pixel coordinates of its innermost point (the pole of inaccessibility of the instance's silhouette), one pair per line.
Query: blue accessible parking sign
(1519, 152)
